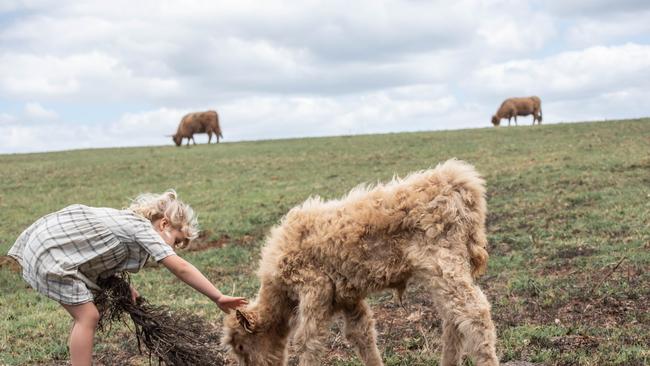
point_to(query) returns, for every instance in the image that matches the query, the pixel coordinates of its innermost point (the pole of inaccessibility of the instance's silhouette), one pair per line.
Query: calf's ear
(247, 320)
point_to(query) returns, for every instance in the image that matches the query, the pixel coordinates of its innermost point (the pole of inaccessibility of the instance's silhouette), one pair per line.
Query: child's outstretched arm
(187, 273)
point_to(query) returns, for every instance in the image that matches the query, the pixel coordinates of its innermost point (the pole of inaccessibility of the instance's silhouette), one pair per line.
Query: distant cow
(198, 122)
(513, 107)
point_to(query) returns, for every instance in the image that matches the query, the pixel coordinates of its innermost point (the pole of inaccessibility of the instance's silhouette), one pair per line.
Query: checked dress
(64, 253)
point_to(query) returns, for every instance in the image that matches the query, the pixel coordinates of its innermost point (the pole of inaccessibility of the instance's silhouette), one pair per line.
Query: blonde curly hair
(154, 206)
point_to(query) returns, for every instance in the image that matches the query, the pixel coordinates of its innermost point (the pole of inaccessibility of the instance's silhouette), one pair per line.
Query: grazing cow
(326, 257)
(198, 122)
(513, 107)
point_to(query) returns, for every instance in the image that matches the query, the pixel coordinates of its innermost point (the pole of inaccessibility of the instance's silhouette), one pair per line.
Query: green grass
(567, 203)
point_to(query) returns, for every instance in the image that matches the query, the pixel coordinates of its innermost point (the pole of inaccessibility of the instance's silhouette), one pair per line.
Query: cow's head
(177, 139)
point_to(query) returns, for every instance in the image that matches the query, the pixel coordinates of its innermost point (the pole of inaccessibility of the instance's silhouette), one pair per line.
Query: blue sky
(122, 73)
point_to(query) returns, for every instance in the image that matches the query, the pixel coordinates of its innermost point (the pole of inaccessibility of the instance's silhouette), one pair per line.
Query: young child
(64, 253)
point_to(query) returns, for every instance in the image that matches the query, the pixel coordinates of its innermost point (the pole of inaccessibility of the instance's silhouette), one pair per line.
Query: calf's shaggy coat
(513, 107)
(326, 257)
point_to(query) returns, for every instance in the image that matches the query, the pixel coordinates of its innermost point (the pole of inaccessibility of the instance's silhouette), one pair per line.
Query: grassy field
(569, 233)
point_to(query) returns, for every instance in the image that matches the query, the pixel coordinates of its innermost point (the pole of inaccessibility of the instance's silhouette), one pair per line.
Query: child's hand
(226, 303)
(134, 294)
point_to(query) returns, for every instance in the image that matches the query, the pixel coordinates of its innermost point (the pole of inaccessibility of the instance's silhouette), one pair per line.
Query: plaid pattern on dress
(62, 254)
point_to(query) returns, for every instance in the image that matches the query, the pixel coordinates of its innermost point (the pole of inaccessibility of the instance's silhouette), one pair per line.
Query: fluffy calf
(513, 107)
(326, 257)
(198, 122)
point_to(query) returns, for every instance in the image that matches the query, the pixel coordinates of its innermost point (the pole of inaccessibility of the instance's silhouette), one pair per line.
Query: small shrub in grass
(527, 287)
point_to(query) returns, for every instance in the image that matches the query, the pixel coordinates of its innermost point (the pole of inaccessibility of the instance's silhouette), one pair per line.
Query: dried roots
(175, 338)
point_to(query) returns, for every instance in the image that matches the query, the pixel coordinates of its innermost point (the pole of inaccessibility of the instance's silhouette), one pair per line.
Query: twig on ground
(594, 288)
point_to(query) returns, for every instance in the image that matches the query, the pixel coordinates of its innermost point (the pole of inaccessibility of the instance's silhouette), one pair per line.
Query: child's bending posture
(64, 253)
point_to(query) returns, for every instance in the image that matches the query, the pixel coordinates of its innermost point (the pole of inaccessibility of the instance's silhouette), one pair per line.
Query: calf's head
(252, 341)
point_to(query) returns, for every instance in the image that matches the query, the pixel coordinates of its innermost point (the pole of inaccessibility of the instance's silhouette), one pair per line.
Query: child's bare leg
(82, 334)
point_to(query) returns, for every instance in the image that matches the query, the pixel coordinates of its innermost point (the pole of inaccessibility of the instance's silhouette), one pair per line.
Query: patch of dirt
(568, 342)
(10, 263)
(629, 305)
(575, 252)
(643, 165)
(104, 358)
(126, 357)
(415, 326)
(493, 219)
(112, 356)
(417, 321)
(585, 305)
(203, 242)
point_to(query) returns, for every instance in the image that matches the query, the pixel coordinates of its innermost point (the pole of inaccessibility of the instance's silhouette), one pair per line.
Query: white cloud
(274, 70)
(30, 138)
(150, 127)
(162, 53)
(613, 28)
(6, 119)
(575, 74)
(36, 111)
(391, 110)
(59, 34)
(77, 77)
(584, 8)
(517, 30)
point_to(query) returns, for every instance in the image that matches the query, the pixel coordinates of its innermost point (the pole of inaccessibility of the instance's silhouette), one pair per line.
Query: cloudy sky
(77, 74)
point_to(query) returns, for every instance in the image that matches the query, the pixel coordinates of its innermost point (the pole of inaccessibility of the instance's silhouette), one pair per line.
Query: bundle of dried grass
(175, 338)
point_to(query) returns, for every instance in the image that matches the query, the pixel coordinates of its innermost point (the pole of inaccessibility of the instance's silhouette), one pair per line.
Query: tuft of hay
(175, 338)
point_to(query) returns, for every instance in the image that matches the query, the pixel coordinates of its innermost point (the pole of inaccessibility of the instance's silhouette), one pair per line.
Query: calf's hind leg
(468, 326)
(314, 317)
(360, 332)
(451, 347)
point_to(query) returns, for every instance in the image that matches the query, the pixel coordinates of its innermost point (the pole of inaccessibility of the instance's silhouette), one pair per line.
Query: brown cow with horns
(513, 107)
(198, 122)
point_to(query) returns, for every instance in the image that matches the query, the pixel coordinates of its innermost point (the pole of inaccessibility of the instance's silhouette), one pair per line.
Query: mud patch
(203, 242)
(643, 165)
(413, 328)
(606, 298)
(607, 311)
(9, 263)
(567, 342)
(575, 252)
